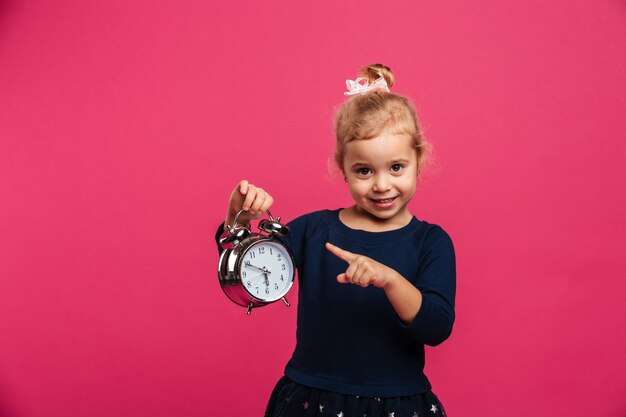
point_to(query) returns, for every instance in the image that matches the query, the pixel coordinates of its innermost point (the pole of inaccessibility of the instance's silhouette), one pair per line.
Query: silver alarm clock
(255, 269)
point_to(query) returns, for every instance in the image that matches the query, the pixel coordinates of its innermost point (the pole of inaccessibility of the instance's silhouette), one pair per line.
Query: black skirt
(290, 399)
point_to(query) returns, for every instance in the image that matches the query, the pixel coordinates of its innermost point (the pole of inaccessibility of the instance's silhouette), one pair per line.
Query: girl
(375, 283)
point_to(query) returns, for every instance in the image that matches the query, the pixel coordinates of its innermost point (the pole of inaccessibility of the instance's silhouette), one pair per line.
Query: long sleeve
(218, 234)
(436, 280)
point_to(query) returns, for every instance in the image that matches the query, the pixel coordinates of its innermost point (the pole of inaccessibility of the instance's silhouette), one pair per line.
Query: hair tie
(361, 86)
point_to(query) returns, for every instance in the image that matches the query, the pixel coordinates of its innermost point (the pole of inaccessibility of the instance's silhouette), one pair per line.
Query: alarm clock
(255, 269)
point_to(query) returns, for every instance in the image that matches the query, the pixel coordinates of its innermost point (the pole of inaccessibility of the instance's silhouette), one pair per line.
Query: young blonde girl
(375, 283)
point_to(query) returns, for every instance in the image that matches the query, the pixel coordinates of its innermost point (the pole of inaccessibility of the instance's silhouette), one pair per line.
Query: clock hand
(264, 269)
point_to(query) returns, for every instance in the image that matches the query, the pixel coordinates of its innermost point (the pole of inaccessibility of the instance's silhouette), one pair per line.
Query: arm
(403, 296)
(436, 280)
(363, 271)
(426, 306)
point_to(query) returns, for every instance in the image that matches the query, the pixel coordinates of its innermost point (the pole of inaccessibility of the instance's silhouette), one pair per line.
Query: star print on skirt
(290, 399)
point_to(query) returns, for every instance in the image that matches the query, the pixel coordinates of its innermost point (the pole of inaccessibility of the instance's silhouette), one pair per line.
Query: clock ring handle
(236, 221)
(271, 226)
(274, 227)
(235, 234)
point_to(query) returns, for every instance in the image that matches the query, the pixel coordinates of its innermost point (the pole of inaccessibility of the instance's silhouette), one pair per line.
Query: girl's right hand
(254, 200)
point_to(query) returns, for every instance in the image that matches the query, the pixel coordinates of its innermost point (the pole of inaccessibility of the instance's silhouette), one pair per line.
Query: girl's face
(382, 176)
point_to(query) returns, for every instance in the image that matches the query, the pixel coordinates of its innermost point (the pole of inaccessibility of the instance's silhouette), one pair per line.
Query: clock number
(248, 283)
(271, 251)
(280, 257)
(257, 289)
(267, 291)
(283, 266)
(282, 278)
(252, 255)
(276, 286)
(261, 250)
(243, 274)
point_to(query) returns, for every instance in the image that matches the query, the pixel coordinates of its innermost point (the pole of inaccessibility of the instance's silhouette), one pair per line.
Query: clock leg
(285, 301)
(250, 308)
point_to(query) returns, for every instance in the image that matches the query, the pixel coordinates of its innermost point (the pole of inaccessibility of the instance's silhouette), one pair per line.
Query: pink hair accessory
(361, 86)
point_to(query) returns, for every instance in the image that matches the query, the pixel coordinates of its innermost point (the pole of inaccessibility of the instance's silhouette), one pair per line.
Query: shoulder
(432, 235)
(435, 253)
(441, 243)
(313, 221)
(436, 232)
(308, 231)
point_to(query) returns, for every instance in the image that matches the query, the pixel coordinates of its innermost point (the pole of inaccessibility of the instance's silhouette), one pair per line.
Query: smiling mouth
(383, 202)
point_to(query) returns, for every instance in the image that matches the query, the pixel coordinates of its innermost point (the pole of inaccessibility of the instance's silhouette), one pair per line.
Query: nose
(382, 183)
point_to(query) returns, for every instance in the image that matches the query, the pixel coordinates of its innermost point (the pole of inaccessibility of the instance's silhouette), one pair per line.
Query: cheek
(358, 188)
(409, 184)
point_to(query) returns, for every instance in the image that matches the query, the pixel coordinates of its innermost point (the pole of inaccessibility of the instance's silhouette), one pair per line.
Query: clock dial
(267, 270)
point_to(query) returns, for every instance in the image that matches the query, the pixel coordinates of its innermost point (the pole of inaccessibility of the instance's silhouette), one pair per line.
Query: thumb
(342, 279)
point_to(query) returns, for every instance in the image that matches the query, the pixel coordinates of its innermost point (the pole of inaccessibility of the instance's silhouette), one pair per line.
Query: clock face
(267, 270)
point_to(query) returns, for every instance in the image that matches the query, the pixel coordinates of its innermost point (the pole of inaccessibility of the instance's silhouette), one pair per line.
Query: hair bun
(374, 71)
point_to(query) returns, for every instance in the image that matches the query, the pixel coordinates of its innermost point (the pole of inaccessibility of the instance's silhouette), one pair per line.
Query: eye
(397, 167)
(363, 171)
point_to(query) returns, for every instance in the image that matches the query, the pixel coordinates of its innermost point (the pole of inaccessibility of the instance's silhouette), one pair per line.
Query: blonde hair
(365, 116)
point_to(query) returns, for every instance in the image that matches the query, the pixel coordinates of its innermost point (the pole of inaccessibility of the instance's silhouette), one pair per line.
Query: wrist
(392, 280)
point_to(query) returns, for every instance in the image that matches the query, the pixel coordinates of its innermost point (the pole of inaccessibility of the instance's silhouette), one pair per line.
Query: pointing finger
(340, 253)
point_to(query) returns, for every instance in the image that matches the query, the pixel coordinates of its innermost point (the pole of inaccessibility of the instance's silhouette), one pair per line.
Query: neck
(357, 218)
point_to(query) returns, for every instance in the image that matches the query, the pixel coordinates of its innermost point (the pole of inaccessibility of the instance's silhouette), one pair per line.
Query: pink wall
(125, 124)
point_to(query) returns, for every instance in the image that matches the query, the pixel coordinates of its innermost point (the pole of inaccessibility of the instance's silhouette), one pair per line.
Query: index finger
(340, 253)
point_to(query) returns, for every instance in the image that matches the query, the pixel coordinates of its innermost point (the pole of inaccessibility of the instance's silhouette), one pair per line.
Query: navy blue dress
(354, 357)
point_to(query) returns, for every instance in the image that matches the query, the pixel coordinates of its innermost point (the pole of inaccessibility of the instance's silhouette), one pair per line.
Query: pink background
(124, 125)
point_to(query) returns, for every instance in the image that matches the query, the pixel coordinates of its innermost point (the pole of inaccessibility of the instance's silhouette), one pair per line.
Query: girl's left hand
(362, 270)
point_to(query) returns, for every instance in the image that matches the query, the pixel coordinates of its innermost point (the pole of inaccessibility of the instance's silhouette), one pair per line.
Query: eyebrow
(395, 161)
